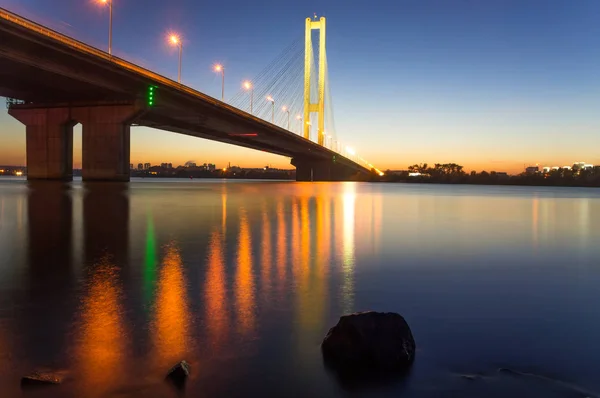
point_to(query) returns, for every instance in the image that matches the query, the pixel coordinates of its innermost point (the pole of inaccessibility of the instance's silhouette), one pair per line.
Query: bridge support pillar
(49, 142)
(321, 170)
(106, 141)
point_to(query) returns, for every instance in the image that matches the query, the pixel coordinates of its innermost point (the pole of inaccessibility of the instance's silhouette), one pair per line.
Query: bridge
(54, 82)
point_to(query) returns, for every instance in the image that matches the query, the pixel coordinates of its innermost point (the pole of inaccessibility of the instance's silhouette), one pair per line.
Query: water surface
(114, 283)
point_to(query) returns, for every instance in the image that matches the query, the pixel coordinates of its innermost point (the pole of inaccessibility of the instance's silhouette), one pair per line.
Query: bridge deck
(44, 67)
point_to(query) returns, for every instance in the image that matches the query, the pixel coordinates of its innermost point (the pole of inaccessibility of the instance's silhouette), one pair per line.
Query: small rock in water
(37, 379)
(178, 374)
(370, 341)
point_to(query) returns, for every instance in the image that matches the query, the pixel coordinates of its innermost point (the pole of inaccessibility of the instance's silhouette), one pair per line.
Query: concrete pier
(106, 141)
(49, 141)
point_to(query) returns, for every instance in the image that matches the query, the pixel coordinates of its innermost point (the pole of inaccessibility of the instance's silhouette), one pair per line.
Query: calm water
(112, 284)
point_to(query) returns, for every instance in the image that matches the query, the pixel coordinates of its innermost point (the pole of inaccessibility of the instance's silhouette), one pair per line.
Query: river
(112, 284)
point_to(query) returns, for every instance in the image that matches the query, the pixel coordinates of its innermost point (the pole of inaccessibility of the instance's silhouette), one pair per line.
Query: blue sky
(490, 84)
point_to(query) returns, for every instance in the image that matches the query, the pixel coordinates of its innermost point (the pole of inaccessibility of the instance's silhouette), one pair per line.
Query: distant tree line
(452, 173)
(197, 172)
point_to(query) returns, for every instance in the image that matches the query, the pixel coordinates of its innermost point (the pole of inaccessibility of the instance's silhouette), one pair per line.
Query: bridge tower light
(318, 107)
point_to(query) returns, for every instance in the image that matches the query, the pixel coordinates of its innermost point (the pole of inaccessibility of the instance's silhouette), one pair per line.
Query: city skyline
(494, 86)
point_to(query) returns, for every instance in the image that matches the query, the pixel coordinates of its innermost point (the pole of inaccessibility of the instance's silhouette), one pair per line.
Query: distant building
(130, 166)
(209, 166)
(190, 164)
(147, 166)
(532, 169)
(546, 169)
(169, 165)
(140, 166)
(163, 165)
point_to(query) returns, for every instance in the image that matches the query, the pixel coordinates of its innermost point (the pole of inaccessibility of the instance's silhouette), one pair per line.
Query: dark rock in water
(369, 341)
(178, 374)
(40, 379)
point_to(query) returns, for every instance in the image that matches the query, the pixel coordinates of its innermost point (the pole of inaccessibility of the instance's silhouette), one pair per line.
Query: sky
(488, 84)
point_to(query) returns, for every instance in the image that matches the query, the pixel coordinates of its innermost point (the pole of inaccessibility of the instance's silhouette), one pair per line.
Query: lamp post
(221, 68)
(299, 119)
(269, 98)
(285, 109)
(175, 40)
(109, 2)
(249, 86)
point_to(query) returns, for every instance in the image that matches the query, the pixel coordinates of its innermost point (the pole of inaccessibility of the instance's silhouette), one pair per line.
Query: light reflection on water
(115, 283)
(102, 345)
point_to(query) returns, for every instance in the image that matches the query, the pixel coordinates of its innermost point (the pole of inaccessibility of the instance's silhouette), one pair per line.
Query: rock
(37, 379)
(369, 341)
(178, 374)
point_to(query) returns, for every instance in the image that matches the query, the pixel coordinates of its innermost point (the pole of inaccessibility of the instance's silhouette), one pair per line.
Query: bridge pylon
(319, 106)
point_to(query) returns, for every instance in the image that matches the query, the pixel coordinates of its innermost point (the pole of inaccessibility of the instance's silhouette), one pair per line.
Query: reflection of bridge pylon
(318, 107)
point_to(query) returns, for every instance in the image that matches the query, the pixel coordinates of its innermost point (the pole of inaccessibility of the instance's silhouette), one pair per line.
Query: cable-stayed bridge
(54, 82)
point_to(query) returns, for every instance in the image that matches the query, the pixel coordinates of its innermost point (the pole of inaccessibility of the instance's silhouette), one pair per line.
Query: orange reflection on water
(295, 242)
(266, 253)
(349, 203)
(303, 269)
(102, 347)
(281, 244)
(216, 292)
(245, 299)
(318, 281)
(172, 318)
(535, 221)
(305, 243)
(224, 210)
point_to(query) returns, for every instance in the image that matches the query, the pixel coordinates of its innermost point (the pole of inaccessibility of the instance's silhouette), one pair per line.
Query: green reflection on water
(150, 261)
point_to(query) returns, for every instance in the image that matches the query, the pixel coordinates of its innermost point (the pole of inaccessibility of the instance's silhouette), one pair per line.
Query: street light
(221, 68)
(176, 41)
(249, 86)
(269, 98)
(109, 2)
(299, 119)
(286, 110)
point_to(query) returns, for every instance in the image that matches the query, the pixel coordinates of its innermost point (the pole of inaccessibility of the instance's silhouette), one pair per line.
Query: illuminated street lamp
(176, 41)
(330, 138)
(269, 98)
(249, 86)
(286, 110)
(109, 2)
(299, 119)
(221, 68)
